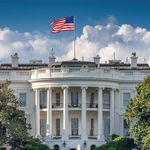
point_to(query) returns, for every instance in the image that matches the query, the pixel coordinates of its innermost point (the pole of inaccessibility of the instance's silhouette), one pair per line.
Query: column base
(101, 137)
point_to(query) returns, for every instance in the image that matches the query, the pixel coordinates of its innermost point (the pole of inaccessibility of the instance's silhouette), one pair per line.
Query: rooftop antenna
(52, 53)
(82, 58)
(144, 60)
(114, 55)
(127, 60)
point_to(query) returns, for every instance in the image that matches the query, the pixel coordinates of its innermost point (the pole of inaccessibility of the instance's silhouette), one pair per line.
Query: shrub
(119, 143)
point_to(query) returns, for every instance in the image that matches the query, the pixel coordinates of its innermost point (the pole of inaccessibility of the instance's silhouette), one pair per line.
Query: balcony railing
(57, 105)
(74, 136)
(43, 106)
(74, 105)
(56, 137)
(106, 106)
(91, 105)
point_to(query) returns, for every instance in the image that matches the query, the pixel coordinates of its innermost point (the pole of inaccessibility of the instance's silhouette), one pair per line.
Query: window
(56, 147)
(74, 99)
(126, 97)
(93, 147)
(57, 127)
(92, 98)
(92, 127)
(106, 128)
(22, 98)
(43, 97)
(74, 126)
(43, 127)
(2, 130)
(106, 99)
(126, 126)
(57, 99)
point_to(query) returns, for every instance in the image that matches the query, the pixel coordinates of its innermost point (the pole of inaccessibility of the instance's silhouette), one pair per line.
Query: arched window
(56, 147)
(93, 147)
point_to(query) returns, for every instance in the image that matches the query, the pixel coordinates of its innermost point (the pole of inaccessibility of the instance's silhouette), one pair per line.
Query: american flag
(62, 25)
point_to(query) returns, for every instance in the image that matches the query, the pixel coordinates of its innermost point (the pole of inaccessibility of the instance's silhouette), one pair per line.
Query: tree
(119, 143)
(13, 126)
(138, 114)
(33, 144)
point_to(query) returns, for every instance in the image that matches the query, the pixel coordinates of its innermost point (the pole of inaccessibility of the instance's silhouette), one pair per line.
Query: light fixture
(84, 143)
(64, 144)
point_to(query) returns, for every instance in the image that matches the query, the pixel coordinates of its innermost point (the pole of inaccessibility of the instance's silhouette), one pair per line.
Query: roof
(76, 63)
(22, 66)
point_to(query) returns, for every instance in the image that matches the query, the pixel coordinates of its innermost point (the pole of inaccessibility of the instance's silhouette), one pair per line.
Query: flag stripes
(62, 25)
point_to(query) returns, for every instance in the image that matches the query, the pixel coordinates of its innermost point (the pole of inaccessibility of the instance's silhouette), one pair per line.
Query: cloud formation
(104, 40)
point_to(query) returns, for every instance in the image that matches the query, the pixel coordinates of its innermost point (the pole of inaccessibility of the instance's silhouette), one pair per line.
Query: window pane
(74, 98)
(126, 97)
(22, 98)
(57, 127)
(92, 98)
(43, 97)
(74, 126)
(106, 97)
(57, 99)
(92, 127)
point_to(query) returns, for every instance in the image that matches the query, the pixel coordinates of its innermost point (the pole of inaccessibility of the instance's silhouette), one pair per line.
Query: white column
(84, 120)
(65, 113)
(100, 115)
(112, 111)
(49, 112)
(37, 112)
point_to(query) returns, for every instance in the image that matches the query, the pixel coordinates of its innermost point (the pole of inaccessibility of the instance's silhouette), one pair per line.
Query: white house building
(75, 105)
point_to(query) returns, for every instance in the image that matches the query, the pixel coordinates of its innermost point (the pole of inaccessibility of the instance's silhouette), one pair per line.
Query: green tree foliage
(13, 126)
(119, 143)
(33, 144)
(138, 113)
(12, 120)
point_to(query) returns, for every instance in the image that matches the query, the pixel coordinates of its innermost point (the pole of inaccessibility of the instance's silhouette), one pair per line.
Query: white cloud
(100, 39)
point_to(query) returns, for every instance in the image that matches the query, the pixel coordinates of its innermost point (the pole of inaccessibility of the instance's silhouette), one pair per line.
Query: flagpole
(74, 47)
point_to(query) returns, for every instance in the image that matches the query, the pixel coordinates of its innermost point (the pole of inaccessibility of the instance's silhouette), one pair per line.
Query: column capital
(100, 87)
(65, 87)
(84, 87)
(50, 88)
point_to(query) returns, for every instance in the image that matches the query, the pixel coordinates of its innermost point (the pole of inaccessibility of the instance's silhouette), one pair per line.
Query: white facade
(75, 104)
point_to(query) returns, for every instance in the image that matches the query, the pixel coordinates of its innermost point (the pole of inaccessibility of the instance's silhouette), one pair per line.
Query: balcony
(57, 105)
(43, 106)
(56, 137)
(74, 105)
(91, 105)
(106, 106)
(74, 136)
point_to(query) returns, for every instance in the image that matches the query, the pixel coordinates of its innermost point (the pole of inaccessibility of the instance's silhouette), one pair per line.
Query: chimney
(51, 58)
(97, 60)
(14, 60)
(134, 60)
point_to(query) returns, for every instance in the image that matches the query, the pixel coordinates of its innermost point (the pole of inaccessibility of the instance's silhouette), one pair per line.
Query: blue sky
(102, 26)
(31, 15)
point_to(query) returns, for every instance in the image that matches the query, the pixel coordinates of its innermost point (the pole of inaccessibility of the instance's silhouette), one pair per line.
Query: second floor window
(74, 98)
(92, 98)
(22, 98)
(43, 97)
(126, 98)
(57, 99)
(106, 99)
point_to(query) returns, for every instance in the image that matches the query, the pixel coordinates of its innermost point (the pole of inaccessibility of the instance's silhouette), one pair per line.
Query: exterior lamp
(64, 144)
(84, 143)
